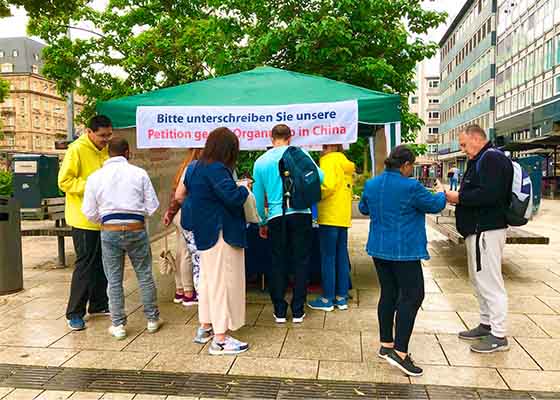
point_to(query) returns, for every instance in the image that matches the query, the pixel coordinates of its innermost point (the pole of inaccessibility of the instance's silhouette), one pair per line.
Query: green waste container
(11, 267)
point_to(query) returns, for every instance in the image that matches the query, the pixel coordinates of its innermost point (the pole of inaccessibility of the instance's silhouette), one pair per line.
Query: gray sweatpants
(488, 283)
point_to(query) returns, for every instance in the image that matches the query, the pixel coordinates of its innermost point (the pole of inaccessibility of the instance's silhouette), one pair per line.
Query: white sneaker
(279, 320)
(298, 320)
(118, 332)
(230, 346)
(154, 325)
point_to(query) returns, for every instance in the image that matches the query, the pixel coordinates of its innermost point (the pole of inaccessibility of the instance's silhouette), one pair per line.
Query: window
(11, 141)
(36, 57)
(549, 55)
(548, 89)
(2, 54)
(36, 122)
(433, 100)
(434, 130)
(557, 89)
(6, 67)
(537, 97)
(433, 83)
(433, 114)
(15, 53)
(414, 100)
(35, 69)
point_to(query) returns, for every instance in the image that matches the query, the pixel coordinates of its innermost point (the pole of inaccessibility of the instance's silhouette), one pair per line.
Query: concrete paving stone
(424, 348)
(460, 376)
(533, 275)
(6, 323)
(170, 312)
(439, 272)
(252, 313)
(524, 288)
(528, 305)
(430, 286)
(49, 290)
(449, 302)
(518, 325)
(54, 395)
(184, 363)
(552, 302)
(368, 298)
(546, 352)
(275, 367)
(257, 297)
(313, 319)
(86, 396)
(548, 323)
(35, 356)
(23, 394)
(34, 333)
(10, 302)
(118, 396)
(461, 271)
(263, 341)
(435, 322)
(459, 354)
(39, 309)
(314, 344)
(172, 338)
(109, 360)
(359, 319)
(539, 381)
(149, 397)
(378, 372)
(4, 391)
(454, 286)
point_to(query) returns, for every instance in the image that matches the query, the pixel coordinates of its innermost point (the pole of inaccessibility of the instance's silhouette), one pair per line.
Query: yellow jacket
(81, 160)
(335, 207)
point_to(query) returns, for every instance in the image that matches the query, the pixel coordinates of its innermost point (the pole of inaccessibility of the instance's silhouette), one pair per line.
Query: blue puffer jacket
(397, 206)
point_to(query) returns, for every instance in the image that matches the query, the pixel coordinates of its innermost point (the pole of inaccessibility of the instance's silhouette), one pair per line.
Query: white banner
(311, 124)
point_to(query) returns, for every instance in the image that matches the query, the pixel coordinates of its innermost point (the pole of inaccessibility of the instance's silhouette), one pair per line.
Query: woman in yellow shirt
(335, 217)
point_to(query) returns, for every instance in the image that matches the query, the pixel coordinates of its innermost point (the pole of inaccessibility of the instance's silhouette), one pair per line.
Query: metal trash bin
(11, 267)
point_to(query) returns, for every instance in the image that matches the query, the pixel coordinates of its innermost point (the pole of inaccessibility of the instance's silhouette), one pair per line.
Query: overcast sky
(16, 26)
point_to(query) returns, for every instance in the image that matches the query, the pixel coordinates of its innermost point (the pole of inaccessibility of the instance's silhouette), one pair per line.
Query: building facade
(425, 103)
(528, 77)
(34, 114)
(467, 71)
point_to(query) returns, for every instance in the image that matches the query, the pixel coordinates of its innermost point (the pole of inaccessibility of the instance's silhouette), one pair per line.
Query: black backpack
(301, 184)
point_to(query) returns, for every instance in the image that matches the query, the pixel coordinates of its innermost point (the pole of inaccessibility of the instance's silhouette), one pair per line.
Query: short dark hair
(99, 121)
(475, 129)
(222, 145)
(118, 147)
(399, 156)
(281, 131)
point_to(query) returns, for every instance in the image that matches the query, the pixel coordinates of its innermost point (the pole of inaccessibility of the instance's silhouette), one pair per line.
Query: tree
(37, 8)
(161, 43)
(4, 91)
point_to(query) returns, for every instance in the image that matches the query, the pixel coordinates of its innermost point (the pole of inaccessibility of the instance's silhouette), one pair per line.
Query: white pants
(488, 282)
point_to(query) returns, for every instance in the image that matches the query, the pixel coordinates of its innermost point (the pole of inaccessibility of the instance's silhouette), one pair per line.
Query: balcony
(432, 138)
(7, 109)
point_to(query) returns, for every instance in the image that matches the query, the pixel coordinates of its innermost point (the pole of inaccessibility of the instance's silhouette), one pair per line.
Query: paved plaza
(340, 345)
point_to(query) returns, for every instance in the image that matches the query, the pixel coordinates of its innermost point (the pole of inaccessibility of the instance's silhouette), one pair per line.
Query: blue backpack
(521, 206)
(301, 184)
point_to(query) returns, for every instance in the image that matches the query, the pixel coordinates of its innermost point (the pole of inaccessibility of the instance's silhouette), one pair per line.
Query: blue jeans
(454, 183)
(137, 246)
(335, 266)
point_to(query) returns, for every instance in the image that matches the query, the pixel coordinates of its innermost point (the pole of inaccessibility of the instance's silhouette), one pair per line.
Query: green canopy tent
(262, 86)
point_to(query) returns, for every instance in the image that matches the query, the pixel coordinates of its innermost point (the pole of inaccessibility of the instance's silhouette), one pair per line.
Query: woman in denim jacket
(218, 224)
(397, 242)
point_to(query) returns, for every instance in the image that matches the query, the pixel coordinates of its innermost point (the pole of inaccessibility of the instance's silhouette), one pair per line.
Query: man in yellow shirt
(89, 284)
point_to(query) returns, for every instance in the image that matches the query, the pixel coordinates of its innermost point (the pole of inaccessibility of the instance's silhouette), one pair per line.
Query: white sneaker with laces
(230, 346)
(154, 325)
(279, 320)
(118, 332)
(298, 320)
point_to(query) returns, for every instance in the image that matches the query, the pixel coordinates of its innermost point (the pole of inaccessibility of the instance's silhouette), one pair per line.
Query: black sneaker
(384, 352)
(476, 333)
(407, 365)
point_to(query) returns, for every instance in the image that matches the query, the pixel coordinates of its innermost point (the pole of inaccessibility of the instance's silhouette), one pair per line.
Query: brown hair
(399, 156)
(192, 154)
(222, 145)
(281, 131)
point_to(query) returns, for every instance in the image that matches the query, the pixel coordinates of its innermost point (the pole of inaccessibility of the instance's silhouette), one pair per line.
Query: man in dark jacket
(482, 201)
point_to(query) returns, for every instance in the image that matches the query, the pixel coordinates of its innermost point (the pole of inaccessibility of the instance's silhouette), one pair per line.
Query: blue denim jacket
(397, 206)
(217, 205)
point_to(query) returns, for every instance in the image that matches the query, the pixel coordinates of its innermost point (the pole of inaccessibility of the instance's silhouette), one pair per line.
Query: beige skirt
(221, 295)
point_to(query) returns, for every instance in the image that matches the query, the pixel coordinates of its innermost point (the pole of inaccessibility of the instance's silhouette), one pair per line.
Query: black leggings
(402, 292)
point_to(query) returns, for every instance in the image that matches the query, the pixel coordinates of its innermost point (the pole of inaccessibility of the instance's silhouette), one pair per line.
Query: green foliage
(161, 43)
(48, 8)
(418, 149)
(246, 161)
(6, 187)
(4, 89)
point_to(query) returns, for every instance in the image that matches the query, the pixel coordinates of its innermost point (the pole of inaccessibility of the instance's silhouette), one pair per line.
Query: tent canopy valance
(261, 86)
